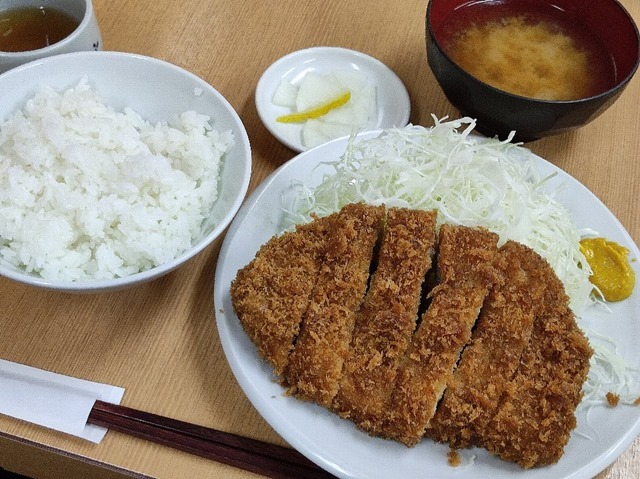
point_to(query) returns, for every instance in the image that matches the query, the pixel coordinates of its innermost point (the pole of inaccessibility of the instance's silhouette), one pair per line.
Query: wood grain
(159, 341)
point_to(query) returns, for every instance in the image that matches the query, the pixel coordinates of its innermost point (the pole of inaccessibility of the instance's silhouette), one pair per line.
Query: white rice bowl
(115, 169)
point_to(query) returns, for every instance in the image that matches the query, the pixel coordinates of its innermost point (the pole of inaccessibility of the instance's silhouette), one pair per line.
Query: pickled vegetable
(316, 111)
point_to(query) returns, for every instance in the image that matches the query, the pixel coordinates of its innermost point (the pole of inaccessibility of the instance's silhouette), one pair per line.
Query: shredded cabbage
(608, 372)
(471, 181)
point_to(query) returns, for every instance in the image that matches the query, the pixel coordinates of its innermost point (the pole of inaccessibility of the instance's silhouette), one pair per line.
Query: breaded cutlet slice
(500, 336)
(315, 365)
(272, 292)
(537, 411)
(388, 316)
(465, 254)
(465, 257)
(430, 361)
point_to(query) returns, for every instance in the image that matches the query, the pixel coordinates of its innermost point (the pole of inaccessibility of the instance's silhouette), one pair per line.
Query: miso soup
(530, 49)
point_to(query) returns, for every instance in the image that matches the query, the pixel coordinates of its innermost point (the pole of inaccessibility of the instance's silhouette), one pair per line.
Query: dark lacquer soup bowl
(536, 67)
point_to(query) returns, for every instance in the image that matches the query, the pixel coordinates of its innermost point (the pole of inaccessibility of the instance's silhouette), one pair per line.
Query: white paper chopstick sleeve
(53, 400)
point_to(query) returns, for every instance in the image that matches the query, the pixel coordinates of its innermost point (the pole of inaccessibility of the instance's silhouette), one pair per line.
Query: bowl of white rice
(115, 169)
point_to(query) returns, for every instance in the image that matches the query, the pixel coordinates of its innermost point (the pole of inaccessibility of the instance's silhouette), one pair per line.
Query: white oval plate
(335, 444)
(393, 106)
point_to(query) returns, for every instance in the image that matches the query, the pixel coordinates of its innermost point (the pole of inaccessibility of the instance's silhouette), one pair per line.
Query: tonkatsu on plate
(382, 339)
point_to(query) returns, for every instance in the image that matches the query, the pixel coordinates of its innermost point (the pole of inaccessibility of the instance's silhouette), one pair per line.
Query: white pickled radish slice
(285, 95)
(316, 89)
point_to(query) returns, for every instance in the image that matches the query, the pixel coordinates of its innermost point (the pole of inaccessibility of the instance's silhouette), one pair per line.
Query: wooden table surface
(159, 341)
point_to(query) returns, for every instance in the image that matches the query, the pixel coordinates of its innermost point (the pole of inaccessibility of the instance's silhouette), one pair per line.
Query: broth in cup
(31, 28)
(35, 29)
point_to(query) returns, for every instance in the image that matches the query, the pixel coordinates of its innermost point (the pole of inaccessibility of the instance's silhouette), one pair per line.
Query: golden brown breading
(387, 319)
(272, 292)
(430, 360)
(465, 259)
(536, 414)
(497, 359)
(465, 254)
(489, 362)
(315, 365)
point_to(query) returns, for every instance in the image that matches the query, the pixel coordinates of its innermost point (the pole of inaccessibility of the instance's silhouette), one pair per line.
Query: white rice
(87, 192)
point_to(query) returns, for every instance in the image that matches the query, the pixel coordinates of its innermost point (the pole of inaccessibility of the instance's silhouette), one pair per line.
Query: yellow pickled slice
(316, 111)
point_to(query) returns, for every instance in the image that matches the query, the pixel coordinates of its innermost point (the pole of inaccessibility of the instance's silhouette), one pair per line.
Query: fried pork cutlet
(465, 269)
(387, 319)
(537, 411)
(500, 336)
(465, 255)
(315, 365)
(496, 359)
(272, 292)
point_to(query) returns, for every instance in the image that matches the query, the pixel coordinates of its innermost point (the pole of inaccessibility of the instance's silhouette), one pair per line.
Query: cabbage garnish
(470, 180)
(609, 373)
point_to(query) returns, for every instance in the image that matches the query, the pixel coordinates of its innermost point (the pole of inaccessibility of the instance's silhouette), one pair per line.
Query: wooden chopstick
(249, 454)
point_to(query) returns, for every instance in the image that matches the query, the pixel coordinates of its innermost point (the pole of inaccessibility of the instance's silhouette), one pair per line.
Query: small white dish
(393, 105)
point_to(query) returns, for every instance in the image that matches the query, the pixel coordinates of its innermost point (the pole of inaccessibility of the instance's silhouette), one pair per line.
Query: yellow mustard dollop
(612, 273)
